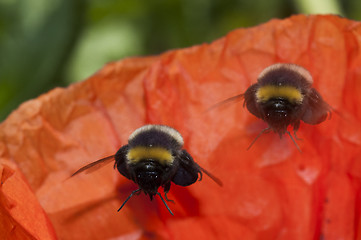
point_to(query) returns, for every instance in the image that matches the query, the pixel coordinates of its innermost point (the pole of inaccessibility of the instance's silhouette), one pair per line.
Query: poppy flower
(271, 191)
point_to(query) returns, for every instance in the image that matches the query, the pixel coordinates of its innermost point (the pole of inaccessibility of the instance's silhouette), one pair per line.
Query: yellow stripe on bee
(267, 92)
(157, 153)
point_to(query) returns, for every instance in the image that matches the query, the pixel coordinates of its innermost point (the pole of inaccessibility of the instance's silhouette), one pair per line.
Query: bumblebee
(154, 157)
(283, 96)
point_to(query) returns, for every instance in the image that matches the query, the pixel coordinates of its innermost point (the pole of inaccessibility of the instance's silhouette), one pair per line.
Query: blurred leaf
(34, 48)
(352, 9)
(319, 7)
(108, 40)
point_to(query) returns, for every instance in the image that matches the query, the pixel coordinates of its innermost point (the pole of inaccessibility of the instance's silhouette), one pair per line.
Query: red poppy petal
(269, 192)
(21, 216)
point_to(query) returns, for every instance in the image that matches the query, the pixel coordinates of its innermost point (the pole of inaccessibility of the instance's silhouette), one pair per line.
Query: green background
(49, 43)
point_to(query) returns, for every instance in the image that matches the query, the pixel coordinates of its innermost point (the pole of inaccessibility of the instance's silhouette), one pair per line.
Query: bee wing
(226, 101)
(316, 109)
(188, 170)
(211, 176)
(91, 167)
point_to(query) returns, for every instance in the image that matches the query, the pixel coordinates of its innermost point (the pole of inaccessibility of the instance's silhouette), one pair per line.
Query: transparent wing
(226, 101)
(91, 167)
(214, 178)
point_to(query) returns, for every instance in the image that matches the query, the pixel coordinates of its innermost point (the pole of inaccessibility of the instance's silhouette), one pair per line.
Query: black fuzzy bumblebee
(154, 158)
(283, 96)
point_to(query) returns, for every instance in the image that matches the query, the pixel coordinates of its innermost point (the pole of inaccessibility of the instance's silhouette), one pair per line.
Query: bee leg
(294, 141)
(166, 198)
(131, 195)
(295, 128)
(165, 203)
(263, 131)
(166, 190)
(296, 137)
(200, 174)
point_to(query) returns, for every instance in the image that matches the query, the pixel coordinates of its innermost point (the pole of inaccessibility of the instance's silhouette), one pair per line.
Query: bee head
(279, 113)
(148, 175)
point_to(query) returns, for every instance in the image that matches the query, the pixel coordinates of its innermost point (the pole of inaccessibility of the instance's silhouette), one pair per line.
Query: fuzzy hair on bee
(283, 96)
(154, 157)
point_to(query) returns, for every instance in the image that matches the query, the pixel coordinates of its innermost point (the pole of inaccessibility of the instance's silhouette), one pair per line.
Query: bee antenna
(165, 203)
(259, 134)
(294, 141)
(126, 200)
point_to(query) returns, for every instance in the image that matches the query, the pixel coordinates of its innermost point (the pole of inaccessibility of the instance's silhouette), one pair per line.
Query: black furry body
(279, 112)
(150, 174)
(154, 157)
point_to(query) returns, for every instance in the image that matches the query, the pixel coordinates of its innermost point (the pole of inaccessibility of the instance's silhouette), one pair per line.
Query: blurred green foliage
(48, 43)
